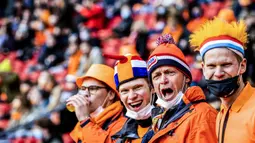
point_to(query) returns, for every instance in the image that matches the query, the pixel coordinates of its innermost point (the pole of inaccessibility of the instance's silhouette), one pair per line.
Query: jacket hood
(192, 94)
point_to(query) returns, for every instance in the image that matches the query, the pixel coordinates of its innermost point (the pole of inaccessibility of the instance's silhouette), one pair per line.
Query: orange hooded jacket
(195, 126)
(240, 121)
(101, 128)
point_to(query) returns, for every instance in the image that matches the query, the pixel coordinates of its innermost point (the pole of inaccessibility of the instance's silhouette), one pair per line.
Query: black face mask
(223, 88)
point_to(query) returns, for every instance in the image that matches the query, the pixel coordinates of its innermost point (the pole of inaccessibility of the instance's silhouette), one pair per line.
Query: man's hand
(81, 105)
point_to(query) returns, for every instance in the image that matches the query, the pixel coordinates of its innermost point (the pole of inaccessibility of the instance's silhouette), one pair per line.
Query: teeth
(136, 103)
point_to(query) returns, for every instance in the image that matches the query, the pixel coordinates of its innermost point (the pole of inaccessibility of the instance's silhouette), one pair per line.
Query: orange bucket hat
(99, 72)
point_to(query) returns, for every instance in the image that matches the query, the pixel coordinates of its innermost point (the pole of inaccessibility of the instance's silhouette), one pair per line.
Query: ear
(243, 65)
(111, 95)
(187, 80)
(203, 66)
(152, 91)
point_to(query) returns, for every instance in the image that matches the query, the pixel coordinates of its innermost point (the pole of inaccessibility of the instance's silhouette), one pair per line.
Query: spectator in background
(49, 132)
(9, 85)
(64, 12)
(73, 56)
(25, 87)
(20, 112)
(139, 33)
(90, 55)
(51, 53)
(123, 29)
(50, 90)
(250, 52)
(173, 26)
(23, 41)
(45, 95)
(97, 106)
(7, 37)
(197, 18)
(92, 13)
(177, 30)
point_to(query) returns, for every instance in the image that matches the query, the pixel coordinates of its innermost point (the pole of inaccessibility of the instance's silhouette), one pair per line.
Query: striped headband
(220, 42)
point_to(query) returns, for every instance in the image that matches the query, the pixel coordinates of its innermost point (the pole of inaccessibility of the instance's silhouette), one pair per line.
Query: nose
(132, 95)
(219, 73)
(84, 92)
(163, 79)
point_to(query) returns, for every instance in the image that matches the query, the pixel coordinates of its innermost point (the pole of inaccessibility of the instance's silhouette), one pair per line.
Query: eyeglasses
(91, 89)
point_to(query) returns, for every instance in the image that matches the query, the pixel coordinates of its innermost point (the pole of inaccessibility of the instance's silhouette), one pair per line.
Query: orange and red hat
(167, 53)
(128, 67)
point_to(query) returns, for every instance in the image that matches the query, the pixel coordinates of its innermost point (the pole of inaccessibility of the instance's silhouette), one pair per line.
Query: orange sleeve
(89, 132)
(75, 133)
(92, 133)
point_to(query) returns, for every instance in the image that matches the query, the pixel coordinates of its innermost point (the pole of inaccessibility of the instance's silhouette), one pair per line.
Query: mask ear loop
(105, 99)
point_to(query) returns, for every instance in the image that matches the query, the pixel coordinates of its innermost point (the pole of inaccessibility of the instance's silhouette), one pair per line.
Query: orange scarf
(111, 111)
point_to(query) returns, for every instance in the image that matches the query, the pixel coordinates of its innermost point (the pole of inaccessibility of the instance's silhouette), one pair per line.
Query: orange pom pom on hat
(99, 72)
(167, 53)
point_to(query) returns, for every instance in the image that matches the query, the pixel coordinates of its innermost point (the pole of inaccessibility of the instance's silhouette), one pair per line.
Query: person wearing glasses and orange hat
(97, 106)
(131, 79)
(221, 45)
(182, 115)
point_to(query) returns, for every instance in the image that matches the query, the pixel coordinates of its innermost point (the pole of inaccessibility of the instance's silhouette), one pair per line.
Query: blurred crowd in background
(46, 44)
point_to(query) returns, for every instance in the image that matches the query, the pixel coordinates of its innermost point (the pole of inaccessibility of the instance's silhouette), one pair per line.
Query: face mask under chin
(169, 104)
(143, 114)
(223, 88)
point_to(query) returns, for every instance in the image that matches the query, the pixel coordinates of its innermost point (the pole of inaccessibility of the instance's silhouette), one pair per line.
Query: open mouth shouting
(136, 105)
(167, 93)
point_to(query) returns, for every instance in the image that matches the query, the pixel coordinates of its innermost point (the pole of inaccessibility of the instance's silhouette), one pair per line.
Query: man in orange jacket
(97, 106)
(221, 45)
(182, 115)
(135, 93)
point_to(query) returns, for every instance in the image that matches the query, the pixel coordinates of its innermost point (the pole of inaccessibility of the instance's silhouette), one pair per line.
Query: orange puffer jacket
(101, 128)
(195, 125)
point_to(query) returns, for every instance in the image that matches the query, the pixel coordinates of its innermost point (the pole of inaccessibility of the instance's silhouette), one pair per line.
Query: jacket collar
(129, 130)
(244, 96)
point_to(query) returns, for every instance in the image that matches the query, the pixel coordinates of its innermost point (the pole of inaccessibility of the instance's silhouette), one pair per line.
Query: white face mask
(144, 113)
(99, 110)
(169, 104)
